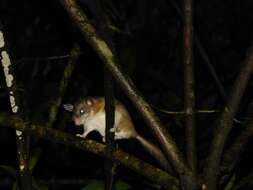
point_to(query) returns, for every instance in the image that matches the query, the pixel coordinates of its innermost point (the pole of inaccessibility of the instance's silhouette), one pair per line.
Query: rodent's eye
(81, 111)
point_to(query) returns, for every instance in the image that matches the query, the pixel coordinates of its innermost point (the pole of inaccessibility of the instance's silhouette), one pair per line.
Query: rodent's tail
(155, 152)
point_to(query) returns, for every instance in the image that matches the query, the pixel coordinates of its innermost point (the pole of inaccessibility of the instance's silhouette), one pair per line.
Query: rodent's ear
(89, 102)
(68, 107)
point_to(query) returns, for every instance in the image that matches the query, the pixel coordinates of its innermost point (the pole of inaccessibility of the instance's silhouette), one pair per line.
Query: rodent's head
(82, 110)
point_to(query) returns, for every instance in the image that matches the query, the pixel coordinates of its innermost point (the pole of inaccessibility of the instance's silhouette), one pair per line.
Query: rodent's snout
(77, 120)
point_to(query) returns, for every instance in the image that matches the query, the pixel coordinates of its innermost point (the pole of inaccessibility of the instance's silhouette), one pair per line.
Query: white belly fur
(97, 122)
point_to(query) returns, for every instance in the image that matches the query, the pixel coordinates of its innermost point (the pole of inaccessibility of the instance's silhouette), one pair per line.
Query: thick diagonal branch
(146, 170)
(225, 122)
(234, 152)
(106, 55)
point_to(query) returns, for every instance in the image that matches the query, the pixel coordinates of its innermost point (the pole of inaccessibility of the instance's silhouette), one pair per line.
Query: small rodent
(90, 113)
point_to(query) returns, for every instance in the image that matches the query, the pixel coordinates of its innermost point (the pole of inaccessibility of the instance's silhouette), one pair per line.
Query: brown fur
(98, 104)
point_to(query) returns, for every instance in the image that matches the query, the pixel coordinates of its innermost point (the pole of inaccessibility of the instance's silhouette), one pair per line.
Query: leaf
(38, 186)
(231, 183)
(99, 185)
(34, 159)
(14, 186)
(121, 185)
(94, 185)
(10, 170)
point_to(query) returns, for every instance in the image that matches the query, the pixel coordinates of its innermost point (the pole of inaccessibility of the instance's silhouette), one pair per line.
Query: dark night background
(149, 49)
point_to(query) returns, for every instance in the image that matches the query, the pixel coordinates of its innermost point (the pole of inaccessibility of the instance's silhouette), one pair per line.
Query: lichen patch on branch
(6, 62)
(1, 40)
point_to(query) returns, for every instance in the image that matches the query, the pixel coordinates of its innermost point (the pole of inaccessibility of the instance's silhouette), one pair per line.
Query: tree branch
(204, 56)
(225, 122)
(109, 135)
(67, 73)
(22, 139)
(146, 170)
(189, 95)
(54, 108)
(211, 69)
(233, 153)
(246, 180)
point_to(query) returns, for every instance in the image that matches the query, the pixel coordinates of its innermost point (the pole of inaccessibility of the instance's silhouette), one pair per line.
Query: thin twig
(211, 69)
(67, 73)
(51, 58)
(182, 112)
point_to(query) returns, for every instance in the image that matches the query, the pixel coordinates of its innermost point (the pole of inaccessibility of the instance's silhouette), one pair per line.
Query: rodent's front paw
(79, 135)
(112, 130)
